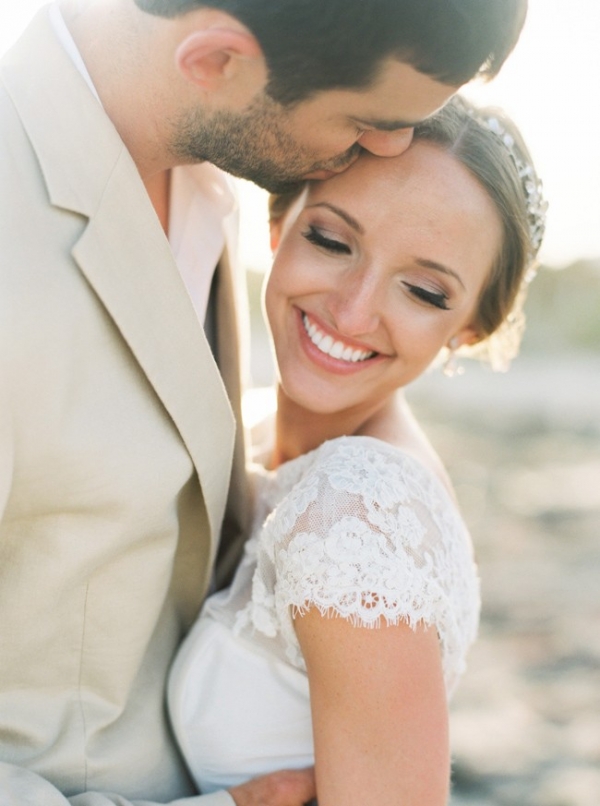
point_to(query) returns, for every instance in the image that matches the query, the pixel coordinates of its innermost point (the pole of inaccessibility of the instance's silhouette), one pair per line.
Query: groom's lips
(321, 174)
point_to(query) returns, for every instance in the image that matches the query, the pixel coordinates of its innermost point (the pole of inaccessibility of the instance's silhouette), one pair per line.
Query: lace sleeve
(368, 534)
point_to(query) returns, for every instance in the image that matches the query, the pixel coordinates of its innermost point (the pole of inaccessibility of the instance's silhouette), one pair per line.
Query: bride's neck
(299, 430)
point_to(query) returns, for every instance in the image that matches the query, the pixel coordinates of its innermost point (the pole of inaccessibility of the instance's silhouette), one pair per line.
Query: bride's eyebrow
(432, 264)
(352, 222)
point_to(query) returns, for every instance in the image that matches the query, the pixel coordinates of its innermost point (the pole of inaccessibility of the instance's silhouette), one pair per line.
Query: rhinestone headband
(502, 345)
(532, 186)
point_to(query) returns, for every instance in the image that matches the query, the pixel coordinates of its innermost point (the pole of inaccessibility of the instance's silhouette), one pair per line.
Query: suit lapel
(229, 344)
(128, 262)
(123, 252)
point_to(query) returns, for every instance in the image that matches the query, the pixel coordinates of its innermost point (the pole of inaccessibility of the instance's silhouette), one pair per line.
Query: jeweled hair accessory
(532, 186)
(503, 345)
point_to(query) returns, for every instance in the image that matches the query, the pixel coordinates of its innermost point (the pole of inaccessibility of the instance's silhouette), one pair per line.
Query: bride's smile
(339, 349)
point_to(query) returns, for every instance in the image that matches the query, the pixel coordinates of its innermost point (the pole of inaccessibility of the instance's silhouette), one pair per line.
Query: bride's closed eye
(318, 238)
(438, 300)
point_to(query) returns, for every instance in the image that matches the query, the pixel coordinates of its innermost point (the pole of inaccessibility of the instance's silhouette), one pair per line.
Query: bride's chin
(313, 401)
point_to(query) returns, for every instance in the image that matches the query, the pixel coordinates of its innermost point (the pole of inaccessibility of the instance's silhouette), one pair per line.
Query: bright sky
(549, 85)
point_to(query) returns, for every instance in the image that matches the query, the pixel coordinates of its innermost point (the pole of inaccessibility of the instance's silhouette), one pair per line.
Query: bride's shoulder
(390, 456)
(396, 426)
(366, 466)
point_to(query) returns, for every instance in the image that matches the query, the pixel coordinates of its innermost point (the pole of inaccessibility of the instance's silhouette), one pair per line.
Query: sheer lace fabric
(356, 529)
(363, 532)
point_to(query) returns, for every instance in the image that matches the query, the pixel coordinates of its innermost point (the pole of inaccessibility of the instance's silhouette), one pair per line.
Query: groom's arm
(21, 787)
(285, 788)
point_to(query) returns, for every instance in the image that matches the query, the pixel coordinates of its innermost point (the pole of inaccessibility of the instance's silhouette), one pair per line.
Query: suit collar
(123, 251)
(76, 144)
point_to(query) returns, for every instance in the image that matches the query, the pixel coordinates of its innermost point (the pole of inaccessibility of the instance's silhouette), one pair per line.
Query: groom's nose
(386, 144)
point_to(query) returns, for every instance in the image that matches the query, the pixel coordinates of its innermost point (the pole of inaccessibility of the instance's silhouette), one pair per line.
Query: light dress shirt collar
(201, 199)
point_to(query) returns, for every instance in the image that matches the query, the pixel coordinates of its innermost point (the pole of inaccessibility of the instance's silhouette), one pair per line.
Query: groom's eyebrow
(352, 222)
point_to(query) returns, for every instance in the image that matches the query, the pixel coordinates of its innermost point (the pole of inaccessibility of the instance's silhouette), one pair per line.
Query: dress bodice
(359, 530)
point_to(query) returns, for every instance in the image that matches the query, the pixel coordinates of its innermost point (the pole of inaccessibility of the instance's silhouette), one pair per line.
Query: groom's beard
(253, 144)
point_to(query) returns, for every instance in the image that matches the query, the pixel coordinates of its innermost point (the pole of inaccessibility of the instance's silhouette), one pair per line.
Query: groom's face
(277, 146)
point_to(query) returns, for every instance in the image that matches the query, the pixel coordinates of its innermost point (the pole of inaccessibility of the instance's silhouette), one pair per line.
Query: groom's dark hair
(313, 45)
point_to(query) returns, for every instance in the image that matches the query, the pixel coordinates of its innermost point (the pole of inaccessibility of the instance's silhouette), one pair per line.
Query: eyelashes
(437, 300)
(316, 237)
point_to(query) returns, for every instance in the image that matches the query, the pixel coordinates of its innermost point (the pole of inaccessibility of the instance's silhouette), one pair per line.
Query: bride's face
(375, 271)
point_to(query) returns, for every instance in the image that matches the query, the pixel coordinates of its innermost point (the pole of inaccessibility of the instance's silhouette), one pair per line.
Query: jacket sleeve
(21, 787)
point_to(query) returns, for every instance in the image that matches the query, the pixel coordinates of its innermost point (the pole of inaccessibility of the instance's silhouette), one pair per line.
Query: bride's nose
(355, 305)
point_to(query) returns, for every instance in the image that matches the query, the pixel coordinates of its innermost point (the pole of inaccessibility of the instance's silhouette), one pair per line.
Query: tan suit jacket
(116, 446)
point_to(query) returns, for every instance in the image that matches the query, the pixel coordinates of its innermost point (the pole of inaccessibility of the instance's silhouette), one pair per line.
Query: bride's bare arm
(379, 713)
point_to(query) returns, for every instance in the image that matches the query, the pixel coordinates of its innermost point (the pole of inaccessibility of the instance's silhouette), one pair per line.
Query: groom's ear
(219, 52)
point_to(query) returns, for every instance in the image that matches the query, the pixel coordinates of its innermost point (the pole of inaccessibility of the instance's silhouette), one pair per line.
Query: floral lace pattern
(363, 532)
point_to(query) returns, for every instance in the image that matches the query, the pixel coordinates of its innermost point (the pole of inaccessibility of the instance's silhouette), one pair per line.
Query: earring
(451, 366)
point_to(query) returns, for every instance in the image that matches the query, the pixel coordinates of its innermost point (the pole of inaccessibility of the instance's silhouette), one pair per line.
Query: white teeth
(335, 349)
(325, 344)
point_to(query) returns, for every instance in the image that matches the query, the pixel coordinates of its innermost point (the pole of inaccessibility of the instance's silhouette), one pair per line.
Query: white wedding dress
(355, 528)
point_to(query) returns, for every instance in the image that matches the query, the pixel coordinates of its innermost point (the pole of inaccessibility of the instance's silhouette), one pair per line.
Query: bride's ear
(275, 232)
(284, 208)
(468, 335)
